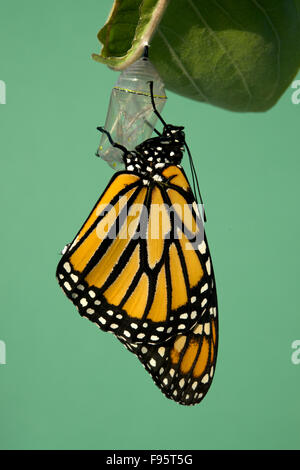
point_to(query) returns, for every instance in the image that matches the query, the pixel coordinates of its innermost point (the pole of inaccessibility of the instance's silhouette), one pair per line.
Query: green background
(67, 385)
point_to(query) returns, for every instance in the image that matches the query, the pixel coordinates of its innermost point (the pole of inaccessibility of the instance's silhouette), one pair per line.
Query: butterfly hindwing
(183, 367)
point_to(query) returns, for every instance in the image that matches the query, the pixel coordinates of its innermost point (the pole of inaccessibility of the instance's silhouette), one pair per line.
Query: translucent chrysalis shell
(130, 119)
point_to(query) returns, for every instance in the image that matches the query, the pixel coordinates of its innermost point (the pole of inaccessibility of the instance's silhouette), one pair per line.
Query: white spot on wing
(154, 338)
(67, 286)
(204, 288)
(67, 267)
(208, 266)
(202, 247)
(205, 379)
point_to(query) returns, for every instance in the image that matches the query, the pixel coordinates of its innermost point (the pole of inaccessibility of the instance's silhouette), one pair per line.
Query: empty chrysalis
(130, 119)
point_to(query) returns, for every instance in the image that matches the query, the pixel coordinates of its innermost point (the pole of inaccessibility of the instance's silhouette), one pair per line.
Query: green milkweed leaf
(238, 55)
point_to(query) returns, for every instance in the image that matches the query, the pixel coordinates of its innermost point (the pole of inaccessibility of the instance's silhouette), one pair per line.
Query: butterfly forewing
(134, 268)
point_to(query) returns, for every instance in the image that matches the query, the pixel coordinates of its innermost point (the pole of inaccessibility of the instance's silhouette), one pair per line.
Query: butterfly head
(174, 133)
(175, 137)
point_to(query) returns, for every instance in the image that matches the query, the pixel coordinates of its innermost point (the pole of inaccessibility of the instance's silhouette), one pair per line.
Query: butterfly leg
(114, 144)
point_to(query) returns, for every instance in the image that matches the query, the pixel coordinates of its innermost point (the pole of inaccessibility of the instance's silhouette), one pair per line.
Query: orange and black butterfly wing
(141, 287)
(183, 367)
(103, 237)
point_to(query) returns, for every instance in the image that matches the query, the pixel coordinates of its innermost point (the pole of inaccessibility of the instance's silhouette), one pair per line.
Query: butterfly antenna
(153, 104)
(195, 180)
(114, 144)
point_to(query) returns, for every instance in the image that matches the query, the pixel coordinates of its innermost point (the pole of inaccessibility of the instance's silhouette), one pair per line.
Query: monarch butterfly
(156, 294)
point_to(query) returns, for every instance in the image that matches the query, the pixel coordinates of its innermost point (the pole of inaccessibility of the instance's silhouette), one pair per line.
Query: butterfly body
(153, 155)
